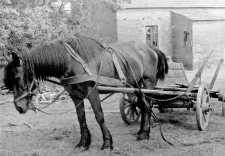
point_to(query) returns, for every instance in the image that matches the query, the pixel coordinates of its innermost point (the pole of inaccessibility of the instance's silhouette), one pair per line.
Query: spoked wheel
(129, 110)
(203, 110)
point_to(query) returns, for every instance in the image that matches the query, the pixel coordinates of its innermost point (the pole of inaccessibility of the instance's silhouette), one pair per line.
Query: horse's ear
(16, 60)
(7, 57)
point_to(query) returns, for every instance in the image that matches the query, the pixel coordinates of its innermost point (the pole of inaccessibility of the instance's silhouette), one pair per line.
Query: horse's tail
(162, 66)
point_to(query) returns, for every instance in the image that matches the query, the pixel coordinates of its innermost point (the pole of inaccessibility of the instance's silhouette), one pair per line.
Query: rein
(29, 93)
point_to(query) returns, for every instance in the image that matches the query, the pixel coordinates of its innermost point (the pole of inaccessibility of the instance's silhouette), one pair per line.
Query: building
(156, 22)
(194, 35)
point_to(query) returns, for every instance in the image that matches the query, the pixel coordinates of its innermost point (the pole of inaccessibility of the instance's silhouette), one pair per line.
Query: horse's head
(17, 81)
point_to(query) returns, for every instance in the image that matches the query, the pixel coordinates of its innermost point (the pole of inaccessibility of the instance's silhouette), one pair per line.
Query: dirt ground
(56, 135)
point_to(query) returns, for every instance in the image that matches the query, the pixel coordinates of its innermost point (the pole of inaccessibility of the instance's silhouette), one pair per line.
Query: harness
(29, 93)
(89, 76)
(102, 80)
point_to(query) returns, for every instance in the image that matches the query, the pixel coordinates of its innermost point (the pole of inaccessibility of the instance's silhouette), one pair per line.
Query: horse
(148, 65)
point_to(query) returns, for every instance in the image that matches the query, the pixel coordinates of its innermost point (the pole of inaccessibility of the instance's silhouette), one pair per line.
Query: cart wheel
(203, 110)
(129, 110)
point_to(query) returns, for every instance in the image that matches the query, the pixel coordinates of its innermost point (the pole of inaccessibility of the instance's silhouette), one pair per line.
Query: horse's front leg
(99, 115)
(85, 139)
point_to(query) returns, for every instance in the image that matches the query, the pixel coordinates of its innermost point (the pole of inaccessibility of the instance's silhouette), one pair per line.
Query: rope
(160, 128)
(53, 100)
(116, 99)
(165, 100)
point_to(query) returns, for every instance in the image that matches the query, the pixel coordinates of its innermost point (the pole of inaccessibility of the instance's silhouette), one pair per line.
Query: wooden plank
(175, 89)
(184, 73)
(215, 74)
(169, 74)
(173, 81)
(174, 65)
(178, 74)
(198, 74)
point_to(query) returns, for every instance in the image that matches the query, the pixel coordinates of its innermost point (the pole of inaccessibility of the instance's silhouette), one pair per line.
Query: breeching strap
(116, 63)
(118, 68)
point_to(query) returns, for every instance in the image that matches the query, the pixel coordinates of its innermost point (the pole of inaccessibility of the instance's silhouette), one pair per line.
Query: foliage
(25, 26)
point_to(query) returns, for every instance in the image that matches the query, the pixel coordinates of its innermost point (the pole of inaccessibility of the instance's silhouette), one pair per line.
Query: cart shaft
(145, 91)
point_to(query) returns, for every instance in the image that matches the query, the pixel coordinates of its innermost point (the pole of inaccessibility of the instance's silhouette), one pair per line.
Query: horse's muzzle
(21, 106)
(20, 110)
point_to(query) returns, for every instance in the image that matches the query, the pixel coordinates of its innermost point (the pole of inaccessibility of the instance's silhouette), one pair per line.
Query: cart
(174, 92)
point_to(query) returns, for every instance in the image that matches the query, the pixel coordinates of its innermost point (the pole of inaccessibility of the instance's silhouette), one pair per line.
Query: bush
(24, 26)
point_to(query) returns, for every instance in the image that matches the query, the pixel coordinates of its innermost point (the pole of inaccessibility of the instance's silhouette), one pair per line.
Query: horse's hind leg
(146, 107)
(99, 115)
(85, 139)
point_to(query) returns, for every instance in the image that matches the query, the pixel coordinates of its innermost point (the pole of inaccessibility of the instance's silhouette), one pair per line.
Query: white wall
(131, 24)
(208, 36)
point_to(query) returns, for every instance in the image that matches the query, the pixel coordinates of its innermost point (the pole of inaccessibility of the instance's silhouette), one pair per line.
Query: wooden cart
(174, 92)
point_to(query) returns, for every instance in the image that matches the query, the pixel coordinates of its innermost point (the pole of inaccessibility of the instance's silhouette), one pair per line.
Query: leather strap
(91, 77)
(98, 79)
(118, 68)
(78, 58)
(115, 62)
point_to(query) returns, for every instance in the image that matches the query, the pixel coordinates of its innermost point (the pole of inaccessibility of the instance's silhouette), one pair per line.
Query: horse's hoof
(107, 146)
(107, 151)
(142, 136)
(81, 148)
(85, 142)
(83, 145)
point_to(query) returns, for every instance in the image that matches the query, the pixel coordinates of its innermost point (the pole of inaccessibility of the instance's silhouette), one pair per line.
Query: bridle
(29, 94)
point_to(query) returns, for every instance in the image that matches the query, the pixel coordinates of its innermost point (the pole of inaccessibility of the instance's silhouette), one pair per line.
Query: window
(152, 35)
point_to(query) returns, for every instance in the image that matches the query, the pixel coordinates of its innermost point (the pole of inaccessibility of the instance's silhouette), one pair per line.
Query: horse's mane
(86, 47)
(51, 59)
(9, 77)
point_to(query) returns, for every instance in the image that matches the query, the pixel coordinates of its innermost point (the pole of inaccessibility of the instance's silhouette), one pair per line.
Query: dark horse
(53, 60)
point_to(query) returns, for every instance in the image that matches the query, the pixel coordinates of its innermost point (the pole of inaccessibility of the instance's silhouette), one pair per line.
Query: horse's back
(135, 48)
(142, 59)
